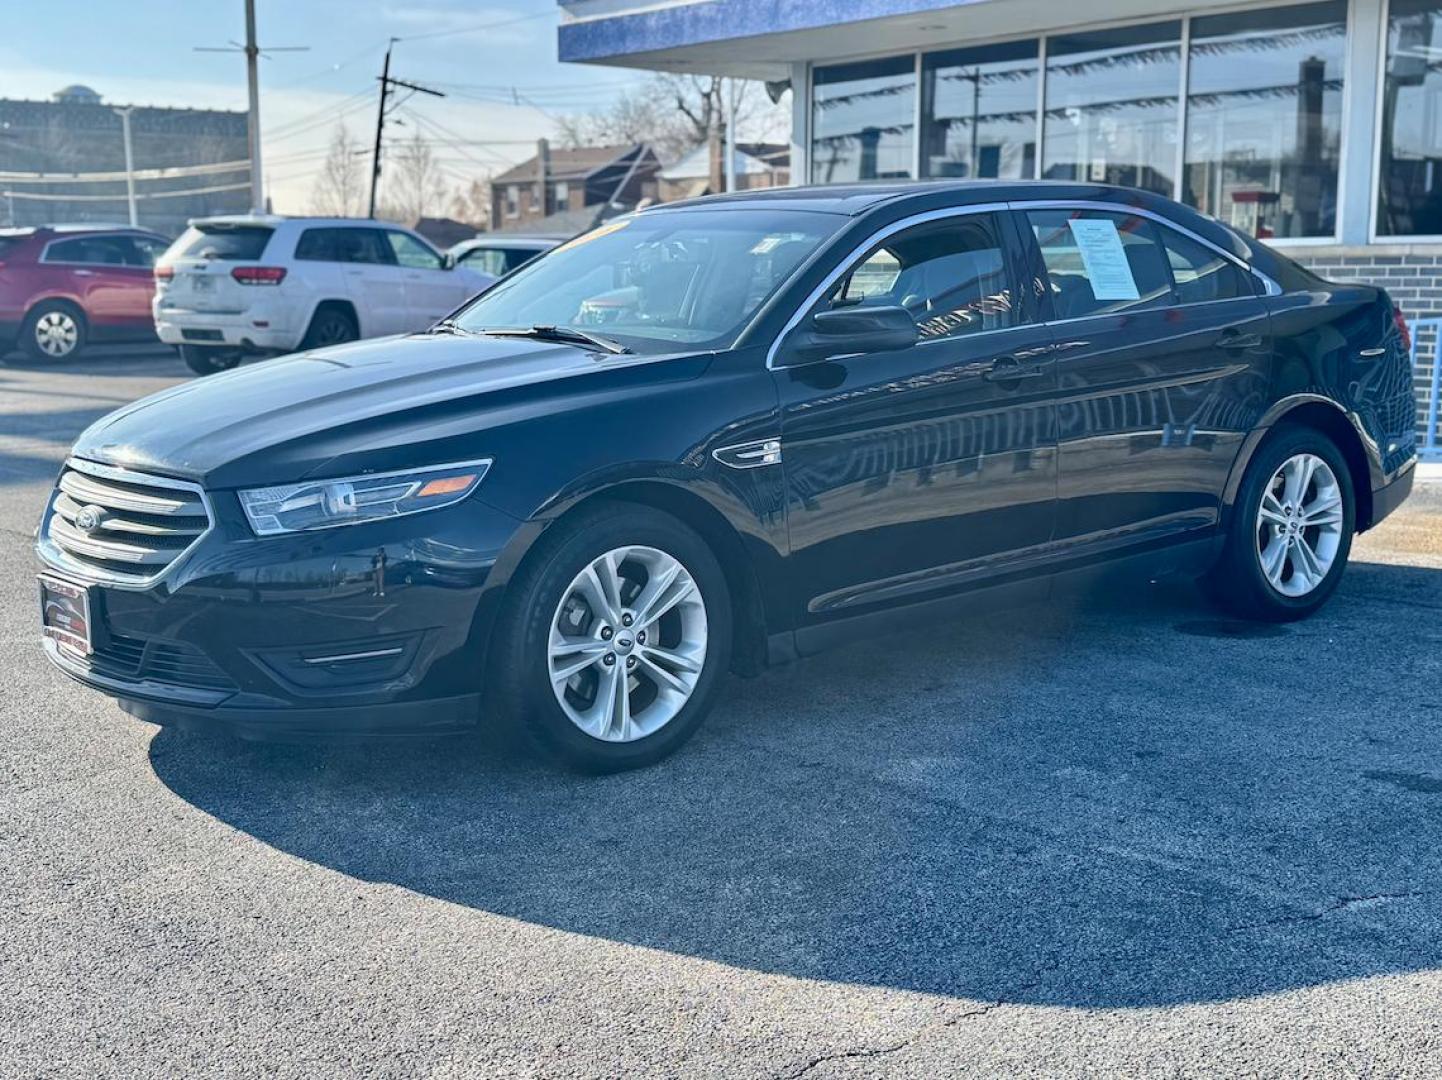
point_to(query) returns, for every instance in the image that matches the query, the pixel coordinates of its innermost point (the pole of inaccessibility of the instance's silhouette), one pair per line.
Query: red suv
(62, 287)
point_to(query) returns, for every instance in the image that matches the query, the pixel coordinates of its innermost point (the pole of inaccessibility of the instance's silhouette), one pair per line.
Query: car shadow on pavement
(1110, 803)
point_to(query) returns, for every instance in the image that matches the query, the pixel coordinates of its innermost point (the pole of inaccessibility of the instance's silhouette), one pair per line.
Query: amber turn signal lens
(447, 486)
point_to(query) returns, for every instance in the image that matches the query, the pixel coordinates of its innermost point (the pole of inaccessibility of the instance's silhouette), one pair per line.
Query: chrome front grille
(118, 526)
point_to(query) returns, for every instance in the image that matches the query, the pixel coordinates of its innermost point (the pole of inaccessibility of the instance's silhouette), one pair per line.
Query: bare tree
(675, 113)
(414, 185)
(340, 189)
(471, 203)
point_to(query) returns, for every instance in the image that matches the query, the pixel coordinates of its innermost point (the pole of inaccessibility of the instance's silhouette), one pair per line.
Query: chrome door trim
(856, 252)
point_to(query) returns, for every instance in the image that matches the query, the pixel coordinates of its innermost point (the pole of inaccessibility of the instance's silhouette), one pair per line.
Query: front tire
(205, 360)
(614, 640)
(1291, 529)
(54, 331)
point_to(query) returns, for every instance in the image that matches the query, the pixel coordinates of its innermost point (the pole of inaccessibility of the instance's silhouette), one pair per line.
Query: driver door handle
(1007, 369)
(1232, 338)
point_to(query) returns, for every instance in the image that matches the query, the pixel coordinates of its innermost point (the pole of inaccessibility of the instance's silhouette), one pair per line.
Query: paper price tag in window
(1105, 260)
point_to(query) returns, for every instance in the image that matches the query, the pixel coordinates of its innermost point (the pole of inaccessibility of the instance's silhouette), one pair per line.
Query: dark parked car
(720, 434)
(64, 286)
(500, 253)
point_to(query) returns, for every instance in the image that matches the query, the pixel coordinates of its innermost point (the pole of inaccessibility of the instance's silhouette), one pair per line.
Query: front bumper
(377, 629)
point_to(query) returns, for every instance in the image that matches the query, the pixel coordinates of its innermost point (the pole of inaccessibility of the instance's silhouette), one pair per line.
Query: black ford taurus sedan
(720, 434)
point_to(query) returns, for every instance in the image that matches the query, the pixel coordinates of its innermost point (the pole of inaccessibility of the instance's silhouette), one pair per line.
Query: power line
(478, 27)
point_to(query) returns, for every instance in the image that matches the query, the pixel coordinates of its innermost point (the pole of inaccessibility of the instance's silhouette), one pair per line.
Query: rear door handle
(1236, 339)
(1006, 369)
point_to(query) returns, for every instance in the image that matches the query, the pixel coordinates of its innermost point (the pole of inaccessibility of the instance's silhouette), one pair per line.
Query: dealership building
(1316, 126)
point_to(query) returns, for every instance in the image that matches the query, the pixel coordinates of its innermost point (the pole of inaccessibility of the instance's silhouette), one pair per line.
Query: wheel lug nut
(630, 661)
(641, 637)
(626, 620)
(605, 633)
(608, 659)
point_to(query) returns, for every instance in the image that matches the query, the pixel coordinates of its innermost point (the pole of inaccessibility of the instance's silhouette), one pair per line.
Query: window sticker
(1108, 271)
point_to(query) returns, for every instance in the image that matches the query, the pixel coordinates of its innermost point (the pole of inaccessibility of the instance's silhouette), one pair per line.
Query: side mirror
(853, 330)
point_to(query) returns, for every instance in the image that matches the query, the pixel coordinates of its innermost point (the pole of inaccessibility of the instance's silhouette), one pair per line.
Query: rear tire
(54, 331)
(206, 360)
(550, 625)
(1290, 531)
(330, 325)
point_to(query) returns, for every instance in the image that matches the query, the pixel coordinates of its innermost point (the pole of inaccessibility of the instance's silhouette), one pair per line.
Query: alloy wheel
(1299, 525)
(57, 334)
(627, 644)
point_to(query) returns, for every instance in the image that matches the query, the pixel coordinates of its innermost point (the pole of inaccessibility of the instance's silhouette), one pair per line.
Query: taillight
(259, 275)
(164, 273)
(1402, 327)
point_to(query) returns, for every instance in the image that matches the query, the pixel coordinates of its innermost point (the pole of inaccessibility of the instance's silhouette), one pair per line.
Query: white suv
(258, 284)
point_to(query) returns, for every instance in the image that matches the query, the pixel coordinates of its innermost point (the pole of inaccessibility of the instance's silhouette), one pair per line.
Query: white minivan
(260, 284)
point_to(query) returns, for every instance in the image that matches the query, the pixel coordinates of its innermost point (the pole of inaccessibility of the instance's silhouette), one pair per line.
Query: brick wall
(1412, 276)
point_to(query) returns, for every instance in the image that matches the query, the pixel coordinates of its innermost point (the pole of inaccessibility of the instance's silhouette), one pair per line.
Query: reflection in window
(1264, 120)
(1072, 269)
(1111, 106)
(951, 277)
(1201, 275)
(863, 123)
(978, 111)
(1410, 170)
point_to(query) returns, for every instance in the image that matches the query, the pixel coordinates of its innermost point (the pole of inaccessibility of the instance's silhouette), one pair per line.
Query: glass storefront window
(1264, 118)
(863, 120)
(1111, 106)
(1410, 170)
(978, 111)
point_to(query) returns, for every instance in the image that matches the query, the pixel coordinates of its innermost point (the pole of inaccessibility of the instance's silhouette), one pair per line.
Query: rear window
(227, 242)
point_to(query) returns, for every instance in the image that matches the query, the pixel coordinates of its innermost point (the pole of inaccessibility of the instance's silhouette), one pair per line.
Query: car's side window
(149, 248)
(411, 253)
(486, 260)
(951, 275)
(340, 245)
(1200, 273)
(94, 250)
(1100, 262)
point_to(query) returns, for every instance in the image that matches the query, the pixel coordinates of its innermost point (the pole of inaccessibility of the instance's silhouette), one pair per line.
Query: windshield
(658, 280)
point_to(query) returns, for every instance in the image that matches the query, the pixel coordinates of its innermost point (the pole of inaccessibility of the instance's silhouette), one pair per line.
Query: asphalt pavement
(1116, 835)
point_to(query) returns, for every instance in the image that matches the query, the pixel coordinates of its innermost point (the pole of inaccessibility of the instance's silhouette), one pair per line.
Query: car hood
(284, 420)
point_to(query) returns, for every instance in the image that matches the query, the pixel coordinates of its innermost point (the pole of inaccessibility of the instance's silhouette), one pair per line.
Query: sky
(496, 63)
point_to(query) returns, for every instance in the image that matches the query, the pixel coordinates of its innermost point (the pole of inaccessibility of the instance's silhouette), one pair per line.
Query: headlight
(324, 504)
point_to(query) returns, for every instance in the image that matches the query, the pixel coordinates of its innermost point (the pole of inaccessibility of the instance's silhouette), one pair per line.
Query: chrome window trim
(1272, 288)
(53, 556)
(856, 252)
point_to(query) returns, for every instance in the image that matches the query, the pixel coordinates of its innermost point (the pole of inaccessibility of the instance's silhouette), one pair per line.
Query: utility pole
(729, 107)
(253, 52)
(124, 115)
(386, 84)
(252, 78)
(380, 127)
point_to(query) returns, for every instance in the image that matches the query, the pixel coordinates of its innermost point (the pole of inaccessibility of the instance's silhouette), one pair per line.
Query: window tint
(486, 260)
(101, 250)
(1409, 179)
(951, 276)
(1264, 118)
(1111, 106)
(341, 245)
(518, 257)
(1199, 273)
(412, 253)
(978, 111)
(225, 242)
(1100, 262)
(149, 248)
(863, 120)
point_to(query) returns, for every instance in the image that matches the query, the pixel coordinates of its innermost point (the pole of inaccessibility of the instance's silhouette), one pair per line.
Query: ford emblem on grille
(89, 518)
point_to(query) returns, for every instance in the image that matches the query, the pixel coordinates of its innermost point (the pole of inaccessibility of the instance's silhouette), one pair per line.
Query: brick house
(566, 182)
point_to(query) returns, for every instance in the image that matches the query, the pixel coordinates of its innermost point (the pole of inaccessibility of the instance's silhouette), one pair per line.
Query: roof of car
(853, 199)
(274, 220)
(502, 240)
